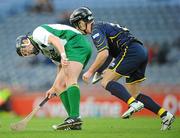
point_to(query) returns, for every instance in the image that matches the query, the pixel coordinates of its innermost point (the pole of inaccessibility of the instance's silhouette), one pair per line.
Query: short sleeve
(99, 39)
(41, 35)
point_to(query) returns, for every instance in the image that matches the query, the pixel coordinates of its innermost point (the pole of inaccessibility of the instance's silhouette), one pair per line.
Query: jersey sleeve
(99, 39)
(41, 35)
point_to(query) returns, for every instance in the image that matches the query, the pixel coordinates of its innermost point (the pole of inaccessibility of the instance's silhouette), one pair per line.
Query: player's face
(89, 27)
(28, 49)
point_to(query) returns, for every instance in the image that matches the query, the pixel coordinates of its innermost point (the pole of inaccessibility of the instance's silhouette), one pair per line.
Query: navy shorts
(131, 62)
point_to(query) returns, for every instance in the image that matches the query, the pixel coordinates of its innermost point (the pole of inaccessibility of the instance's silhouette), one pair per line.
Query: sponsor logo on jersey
(96, 35)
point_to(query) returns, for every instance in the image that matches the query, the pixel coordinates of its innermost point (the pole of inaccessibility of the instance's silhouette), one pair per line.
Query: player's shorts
(79, 49)
(131, 63)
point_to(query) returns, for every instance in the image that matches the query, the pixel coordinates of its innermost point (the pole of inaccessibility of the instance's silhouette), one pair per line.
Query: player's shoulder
(100, 25)
(39, 29)
(57, 27)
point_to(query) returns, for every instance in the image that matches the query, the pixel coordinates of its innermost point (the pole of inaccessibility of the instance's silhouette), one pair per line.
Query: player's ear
(82, 25)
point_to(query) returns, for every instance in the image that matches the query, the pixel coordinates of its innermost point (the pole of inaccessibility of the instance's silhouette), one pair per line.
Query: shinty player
(70, 51)
(130, 60)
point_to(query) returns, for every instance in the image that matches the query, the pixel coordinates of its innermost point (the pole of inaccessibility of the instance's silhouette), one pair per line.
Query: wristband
(63, 54)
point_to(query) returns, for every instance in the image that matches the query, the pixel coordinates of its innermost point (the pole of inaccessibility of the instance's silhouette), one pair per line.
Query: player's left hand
(86, 76)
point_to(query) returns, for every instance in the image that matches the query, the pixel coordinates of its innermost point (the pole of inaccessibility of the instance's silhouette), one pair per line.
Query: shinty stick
(21, 125)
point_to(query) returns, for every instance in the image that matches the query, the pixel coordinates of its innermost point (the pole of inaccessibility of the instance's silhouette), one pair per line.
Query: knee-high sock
(151, 105)
(119, 91)
(64, 98)
(74, 100)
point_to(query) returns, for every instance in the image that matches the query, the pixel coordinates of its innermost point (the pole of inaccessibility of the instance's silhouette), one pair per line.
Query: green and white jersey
(65, 33)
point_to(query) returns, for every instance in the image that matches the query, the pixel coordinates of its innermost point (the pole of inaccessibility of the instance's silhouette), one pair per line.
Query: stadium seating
(151, 22)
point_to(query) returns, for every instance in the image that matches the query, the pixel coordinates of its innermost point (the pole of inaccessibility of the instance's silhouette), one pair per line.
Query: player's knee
(134, 89)
(60, 87)
(104, 83)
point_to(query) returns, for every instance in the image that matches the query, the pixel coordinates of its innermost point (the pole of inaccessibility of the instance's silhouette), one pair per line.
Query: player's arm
(100, 59)
(57, 80)
(54, 87)
(55, 41)
(100, 41)
(42, 36)
(105, 65)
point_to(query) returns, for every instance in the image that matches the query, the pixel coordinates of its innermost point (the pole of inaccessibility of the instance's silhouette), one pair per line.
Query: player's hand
(50, 92)
(86, 76)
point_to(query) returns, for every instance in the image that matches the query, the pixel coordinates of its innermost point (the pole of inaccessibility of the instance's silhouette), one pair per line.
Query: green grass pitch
(136, 127)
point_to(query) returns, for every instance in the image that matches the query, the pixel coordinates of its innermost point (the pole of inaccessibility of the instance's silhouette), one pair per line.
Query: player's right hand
(50, 92)
(64, 60)
(86, 76)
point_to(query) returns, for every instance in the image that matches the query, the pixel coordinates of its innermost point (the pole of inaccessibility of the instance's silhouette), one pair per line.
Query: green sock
(64, 98)
(74, 100)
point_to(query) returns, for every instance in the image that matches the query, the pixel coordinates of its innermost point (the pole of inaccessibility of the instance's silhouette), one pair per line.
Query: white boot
(134, 107)
(167, 121)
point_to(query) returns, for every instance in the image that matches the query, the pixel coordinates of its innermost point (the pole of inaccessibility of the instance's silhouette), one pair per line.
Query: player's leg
(61, 89)
(72, 72)
(63, 92)
(151, 105)
(133, 84)
(122, 66)
(78, 54)
(109, 82)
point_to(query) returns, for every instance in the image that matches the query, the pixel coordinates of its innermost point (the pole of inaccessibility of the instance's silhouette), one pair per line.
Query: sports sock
(151, 105)
(119, 91)
(74, 100)
(64, 98)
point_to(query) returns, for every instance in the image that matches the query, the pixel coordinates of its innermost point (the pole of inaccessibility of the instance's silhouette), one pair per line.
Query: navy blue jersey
(112, 37)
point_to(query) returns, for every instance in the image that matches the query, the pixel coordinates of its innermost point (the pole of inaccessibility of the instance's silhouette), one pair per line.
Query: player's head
(82, 19)
(26, 47)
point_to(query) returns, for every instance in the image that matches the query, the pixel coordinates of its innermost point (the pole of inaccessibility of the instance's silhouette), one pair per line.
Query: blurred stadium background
(155, 22)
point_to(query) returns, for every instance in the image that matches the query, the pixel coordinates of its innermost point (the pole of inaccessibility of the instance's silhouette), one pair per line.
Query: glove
(97, 77)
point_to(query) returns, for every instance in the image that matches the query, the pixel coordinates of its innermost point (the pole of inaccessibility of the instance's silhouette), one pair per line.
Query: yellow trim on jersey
(130, 100)
(118, 74)
(136, 81)
(106, 47)
(112, 37)
(121, 58)
(117, 41)
(101, 42)
(161, 111)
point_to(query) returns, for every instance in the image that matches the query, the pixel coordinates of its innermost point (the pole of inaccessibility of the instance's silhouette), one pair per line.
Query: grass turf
(137, 127)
